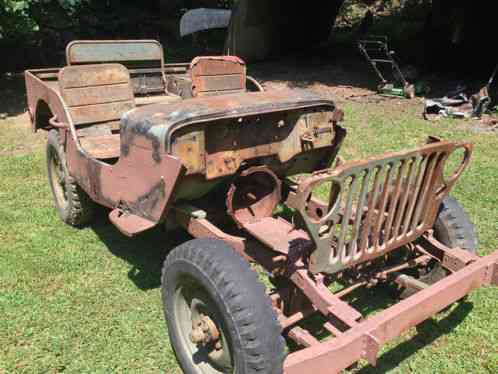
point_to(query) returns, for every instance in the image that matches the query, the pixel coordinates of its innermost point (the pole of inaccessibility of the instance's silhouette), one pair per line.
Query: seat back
(96, 94)
(144, 59)
(217, 75)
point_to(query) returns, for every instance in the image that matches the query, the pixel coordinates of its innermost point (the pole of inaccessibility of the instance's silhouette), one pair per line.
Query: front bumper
(363, 341)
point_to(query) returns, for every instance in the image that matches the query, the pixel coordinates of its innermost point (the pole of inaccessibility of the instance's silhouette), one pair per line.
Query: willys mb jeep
(240, 171)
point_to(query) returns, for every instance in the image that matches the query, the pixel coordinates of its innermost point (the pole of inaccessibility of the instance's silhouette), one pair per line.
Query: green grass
(88, 300)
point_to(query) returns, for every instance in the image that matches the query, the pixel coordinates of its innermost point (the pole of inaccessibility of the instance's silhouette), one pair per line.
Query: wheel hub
(204, 332)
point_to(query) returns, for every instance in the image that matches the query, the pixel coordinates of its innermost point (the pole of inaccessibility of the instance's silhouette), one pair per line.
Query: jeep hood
(157, 122)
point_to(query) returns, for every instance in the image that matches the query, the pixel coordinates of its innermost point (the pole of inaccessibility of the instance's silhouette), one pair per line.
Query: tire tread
(245, 299)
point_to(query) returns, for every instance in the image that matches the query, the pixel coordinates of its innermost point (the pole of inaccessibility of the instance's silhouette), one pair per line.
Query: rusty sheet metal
(129, 224)
(137, 183)
(363, 341)
(80, 96)
(189, 145)
(284, 135)
(278, 234)
(93, 75)
(44, 97)
(217, 75)
(96, 93)
(99, 51)
(253, 195)
(144, 60)
(105, 112)
(376, 205)
(174, 116)
(218, 65)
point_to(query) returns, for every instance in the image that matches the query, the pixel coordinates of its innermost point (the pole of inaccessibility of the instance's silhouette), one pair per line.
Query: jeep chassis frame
(406, 222)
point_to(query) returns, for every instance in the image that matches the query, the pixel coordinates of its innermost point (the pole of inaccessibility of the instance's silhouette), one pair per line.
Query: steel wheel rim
(58, 179)
(192, 302)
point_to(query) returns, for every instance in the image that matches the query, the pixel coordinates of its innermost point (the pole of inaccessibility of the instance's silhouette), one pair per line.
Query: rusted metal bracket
(452, 259)
(55, 123)
(302, 337)
(324, 299)
(405, 280)
(197, 225)
(129, 224)
(491, 277)
(371, 349)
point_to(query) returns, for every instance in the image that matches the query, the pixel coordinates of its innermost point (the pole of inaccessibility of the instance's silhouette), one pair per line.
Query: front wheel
(453, 228)
(219, 318)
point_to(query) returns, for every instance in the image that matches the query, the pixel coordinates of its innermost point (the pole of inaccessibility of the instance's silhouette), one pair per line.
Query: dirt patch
(487, 123)
(16, 137)
(352, 80)
(334, 79)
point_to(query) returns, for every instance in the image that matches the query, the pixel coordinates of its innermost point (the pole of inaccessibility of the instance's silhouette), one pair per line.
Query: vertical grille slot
(383, 204)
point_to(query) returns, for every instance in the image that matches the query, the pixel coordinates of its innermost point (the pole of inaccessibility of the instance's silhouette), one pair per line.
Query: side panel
(138, 183)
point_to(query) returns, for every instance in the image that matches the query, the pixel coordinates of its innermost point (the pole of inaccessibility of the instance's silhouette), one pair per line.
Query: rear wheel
(218, 315)
(73, 204)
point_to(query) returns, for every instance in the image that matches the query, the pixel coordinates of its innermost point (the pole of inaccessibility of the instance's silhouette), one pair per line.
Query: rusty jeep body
(252, 163)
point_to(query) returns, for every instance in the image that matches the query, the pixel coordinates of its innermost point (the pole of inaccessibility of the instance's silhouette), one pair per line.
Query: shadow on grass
(145, 252)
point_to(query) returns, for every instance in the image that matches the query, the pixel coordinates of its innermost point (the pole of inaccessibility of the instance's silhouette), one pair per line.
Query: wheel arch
(42, 115)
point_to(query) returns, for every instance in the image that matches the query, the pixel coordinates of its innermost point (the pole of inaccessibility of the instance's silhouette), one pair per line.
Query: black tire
(72, 203)
(453, 228)
(239, 306)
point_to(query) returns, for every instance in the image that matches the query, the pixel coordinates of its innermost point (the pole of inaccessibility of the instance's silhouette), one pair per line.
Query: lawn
(88, 300)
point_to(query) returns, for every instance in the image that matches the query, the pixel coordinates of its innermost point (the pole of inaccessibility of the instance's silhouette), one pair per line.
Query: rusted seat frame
(205, 71)
(71, 60)
(163, 69)
(81, 100)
